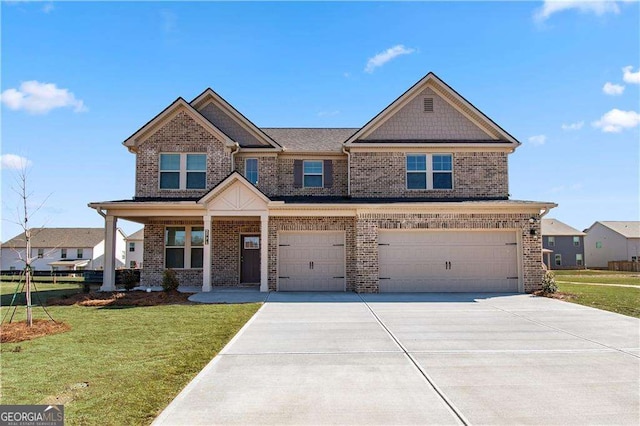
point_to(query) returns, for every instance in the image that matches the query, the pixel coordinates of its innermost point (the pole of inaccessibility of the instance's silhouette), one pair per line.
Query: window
(184, 246)
(63, 253)
(79, 253)
(312, 174)
(12, 268)
(251, 170)
(552, 241)
(183, 171)
(132, 246)
(132, 264)
(576, 241)
(251, 243)
(40, 253)
(429, 171)
(579, 259)
(598, 244)
(558, 260)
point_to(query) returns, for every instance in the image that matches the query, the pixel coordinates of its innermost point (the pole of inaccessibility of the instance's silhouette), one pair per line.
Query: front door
(249, 259)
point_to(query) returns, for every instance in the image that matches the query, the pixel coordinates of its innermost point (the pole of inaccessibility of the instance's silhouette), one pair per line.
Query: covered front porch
(219, 240)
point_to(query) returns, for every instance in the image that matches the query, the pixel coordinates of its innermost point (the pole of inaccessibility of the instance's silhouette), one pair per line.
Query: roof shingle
(310, 139)
(59, 237)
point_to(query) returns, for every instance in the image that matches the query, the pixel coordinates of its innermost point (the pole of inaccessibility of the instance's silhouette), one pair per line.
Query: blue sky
(79, 78)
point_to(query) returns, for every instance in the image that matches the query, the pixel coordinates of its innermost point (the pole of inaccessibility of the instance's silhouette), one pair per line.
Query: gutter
(233, 153)
(345, 151)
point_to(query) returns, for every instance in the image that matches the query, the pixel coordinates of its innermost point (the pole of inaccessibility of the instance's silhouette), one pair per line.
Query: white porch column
(206, 254)
(264, 252)
(109, 272)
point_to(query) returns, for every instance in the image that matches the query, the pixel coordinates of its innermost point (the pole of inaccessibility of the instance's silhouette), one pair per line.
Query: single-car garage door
(448, 261)
(311, 261)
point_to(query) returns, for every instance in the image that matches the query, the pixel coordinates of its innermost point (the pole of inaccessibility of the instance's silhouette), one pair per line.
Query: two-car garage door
(447, 261)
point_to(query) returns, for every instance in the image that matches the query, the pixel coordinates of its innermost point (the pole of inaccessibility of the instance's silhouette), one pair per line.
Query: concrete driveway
(308, 358)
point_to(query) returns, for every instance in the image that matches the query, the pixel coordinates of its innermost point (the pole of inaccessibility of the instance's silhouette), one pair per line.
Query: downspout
(233, 153)
(100, 212)
(344, 151)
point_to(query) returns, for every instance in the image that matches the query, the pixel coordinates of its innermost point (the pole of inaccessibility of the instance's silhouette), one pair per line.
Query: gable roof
(210, 96)
(59, 237)
(179, 104)
(138, 235)
(492, 129)
(228, 181)
(556, 228)
(310, 139)
(628, 229)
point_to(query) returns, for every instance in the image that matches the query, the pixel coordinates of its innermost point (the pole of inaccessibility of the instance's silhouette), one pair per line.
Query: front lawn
(116, 365)
(598, 277)
(623, 300)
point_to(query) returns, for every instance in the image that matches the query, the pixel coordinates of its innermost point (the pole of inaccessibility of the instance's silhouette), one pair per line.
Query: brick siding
(267, 173)
(285, 179)
(225, 269)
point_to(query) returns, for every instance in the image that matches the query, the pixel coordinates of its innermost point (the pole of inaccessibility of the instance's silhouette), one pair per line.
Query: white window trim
(187, 246)
(63, 253)
(429, 171)
(557, 257)
(313, 174)
(257, 169)
(581, 260)
(576, 242)
(80, 253)
(551, 241)
(182, 173)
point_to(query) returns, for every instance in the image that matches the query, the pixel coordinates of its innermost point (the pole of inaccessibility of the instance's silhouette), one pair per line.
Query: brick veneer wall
(153, 255)
(180, 134)
(367, 226)
(267, 173)
(445, 122)
(277, 224)
(475, 175)
(225, 268)
(285, 179)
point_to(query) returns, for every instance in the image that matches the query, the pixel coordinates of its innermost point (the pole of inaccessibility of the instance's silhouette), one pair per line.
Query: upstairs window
(312, 171)
(552, 241)
(576, 241)
(40, 253)
(132, 246)
(429, 171)
(63, 253)
(183, 171)
(80, 253)
(251, 170)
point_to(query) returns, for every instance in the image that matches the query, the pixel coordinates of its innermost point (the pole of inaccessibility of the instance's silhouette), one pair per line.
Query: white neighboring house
(612, 241)
(135, 246)
(61, 249)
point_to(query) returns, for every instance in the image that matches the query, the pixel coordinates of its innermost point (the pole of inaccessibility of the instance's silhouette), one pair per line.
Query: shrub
(549, 283)
(129, 279)
(170, 280)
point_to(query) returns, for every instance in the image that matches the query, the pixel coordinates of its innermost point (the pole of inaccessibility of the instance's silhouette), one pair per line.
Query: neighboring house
(566, 245)
(134, 247)
(61, 249)
(610, 241)
(415, 200)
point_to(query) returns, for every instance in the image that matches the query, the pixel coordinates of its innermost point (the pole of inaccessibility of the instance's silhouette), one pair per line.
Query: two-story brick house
(415, 200)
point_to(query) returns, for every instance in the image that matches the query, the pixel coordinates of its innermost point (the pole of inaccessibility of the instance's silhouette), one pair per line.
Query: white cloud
(13, 162)
(573, 126)
(612, 89)
(538, 140)
(616, 120)
(597, 7)
(383, 57)
(629, 76)
(40, 98)
(48, 7)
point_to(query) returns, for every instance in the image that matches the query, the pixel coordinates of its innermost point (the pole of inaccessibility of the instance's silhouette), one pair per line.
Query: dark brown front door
(249, 259)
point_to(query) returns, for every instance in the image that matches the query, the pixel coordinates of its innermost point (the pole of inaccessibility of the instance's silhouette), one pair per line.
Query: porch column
(109, 272)
(206, 254)
(264, 252)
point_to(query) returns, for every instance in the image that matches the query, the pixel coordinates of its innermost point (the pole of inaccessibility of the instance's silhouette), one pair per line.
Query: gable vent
(428, 104)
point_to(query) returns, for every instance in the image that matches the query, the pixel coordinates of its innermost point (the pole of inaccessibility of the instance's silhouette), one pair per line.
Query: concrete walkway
(313, 358)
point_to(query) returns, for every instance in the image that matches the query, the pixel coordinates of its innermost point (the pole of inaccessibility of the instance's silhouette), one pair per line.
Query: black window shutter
(297, 173)
(328, 173)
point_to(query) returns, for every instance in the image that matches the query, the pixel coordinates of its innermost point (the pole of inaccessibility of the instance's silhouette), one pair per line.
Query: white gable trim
(450, 96)
(170, 112)
(235, 196)
(209, 96)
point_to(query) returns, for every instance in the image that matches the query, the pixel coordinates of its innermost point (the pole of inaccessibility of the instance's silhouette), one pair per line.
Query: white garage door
(447, 261)
(311, 261)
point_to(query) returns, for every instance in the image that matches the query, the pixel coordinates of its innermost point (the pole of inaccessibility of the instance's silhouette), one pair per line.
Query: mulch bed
(130, 298)
(18, 331)
(557, 295)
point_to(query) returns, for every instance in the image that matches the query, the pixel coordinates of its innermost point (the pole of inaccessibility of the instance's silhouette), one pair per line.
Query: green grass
(623, 300)
(584, 272)
(42, 279)
(598, 277)
(135, 360)
(45, 292)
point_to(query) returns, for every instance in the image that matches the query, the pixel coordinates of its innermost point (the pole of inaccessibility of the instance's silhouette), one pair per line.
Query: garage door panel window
(184, 247)
(429, 171)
